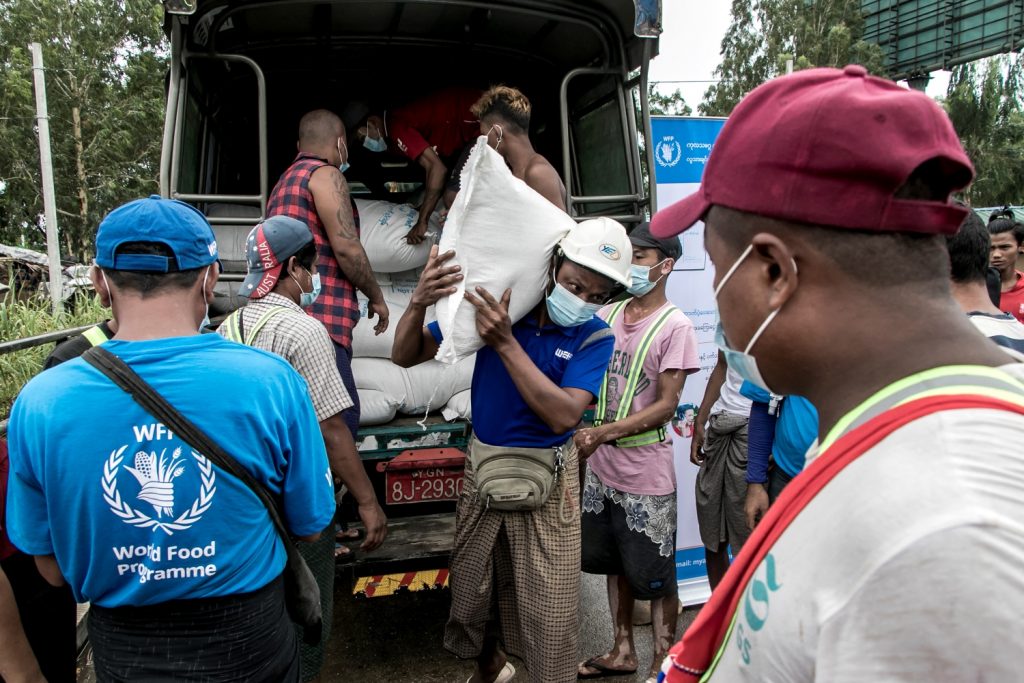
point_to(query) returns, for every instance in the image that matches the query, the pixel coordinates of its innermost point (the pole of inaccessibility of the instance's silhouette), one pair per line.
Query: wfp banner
(681, 149)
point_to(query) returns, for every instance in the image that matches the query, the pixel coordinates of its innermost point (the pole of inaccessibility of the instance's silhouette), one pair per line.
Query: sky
(690, 47)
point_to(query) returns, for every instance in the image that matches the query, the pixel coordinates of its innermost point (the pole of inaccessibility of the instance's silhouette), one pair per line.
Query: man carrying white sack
(515, 566)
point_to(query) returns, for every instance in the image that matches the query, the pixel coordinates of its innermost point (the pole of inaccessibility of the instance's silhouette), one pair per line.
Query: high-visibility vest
(232, 326)
(95, 335)
(632, 380)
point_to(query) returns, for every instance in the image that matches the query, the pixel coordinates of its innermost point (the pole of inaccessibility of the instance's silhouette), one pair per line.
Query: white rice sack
(503, 233)
(380, 375)
(431, 385)
(397, 294)
(412, 390)
(459, 406)
(375, 407)
(382, 230)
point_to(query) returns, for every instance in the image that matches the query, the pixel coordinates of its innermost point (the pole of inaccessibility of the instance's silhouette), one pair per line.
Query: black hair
(1004, 222)
(148, 283)
(306, 256)
(508, 104)
(969, 251)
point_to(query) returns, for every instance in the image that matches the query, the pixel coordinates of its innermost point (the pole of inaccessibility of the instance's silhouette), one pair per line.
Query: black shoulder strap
(156, 405)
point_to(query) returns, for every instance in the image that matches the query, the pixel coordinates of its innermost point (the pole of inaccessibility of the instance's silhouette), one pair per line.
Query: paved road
(398, 639)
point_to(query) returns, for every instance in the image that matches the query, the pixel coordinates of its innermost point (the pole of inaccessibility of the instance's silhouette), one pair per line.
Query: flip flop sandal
(349, 535)
(602, 670)
(343, 554)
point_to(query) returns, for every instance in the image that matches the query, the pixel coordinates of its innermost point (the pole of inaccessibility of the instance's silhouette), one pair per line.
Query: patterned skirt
(516, 576)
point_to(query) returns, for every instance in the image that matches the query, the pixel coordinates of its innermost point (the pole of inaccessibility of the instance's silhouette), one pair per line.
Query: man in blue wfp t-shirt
(179, 559)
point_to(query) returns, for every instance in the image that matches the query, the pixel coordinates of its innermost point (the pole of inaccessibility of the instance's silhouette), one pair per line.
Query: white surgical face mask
(742, 361)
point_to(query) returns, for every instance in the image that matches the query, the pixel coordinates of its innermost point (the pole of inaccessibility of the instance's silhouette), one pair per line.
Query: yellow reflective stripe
(602, 395)
(642, 439)
(638, 364)
(95, 335)
(230, 327)
(980, 371)
(233, 328)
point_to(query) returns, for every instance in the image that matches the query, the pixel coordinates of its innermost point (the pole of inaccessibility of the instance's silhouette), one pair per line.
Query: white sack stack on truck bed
(382, 229)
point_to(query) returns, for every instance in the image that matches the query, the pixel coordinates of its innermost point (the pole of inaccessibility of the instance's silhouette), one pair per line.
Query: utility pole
(46, 166)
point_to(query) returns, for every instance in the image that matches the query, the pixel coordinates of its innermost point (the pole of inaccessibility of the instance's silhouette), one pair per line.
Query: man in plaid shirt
(314, 191)
(280, 254)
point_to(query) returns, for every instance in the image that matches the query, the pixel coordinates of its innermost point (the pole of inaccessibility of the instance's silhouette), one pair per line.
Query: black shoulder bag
(302, 594)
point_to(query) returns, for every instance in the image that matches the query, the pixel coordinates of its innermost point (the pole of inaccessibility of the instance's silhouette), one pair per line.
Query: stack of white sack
(382, 229)
(397, 289)
(386, 389)
(504, 234)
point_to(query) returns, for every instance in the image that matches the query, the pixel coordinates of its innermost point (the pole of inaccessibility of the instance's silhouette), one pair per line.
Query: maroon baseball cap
(829, 147)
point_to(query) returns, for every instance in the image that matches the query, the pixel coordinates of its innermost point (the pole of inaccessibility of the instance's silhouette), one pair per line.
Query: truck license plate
(416, 486)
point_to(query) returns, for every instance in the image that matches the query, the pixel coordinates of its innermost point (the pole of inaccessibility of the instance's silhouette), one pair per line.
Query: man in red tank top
(314, 191)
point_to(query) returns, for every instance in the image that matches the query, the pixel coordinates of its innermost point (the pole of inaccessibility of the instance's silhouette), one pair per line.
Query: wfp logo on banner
(681, 147)
(668, 152)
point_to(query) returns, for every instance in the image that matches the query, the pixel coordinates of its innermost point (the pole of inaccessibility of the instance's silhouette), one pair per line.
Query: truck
(243, 72)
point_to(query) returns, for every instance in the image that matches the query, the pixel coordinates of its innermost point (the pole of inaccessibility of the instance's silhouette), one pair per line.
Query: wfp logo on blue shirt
(563, 354)
(157, 474)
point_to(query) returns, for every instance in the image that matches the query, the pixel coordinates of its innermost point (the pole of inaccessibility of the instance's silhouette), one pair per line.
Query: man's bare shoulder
(326, 177)
(542, 177)
(540, 168)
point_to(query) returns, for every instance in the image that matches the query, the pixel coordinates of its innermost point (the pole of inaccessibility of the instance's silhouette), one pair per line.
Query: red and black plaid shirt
(336, 307)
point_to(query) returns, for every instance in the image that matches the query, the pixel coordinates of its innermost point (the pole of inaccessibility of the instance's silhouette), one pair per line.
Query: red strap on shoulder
(694, 654)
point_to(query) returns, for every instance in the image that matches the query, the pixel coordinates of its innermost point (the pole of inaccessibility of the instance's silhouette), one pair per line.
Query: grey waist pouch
(514, 478)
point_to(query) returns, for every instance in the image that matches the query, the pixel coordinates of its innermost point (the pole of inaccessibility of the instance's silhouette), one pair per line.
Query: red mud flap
(423, 475)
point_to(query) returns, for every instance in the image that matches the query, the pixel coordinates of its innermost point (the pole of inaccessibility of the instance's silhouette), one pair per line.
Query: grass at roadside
(20, 319)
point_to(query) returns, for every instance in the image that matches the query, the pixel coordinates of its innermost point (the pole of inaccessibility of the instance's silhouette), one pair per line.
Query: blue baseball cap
(179, 226)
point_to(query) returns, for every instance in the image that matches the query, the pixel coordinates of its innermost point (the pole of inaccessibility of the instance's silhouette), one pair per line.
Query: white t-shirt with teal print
(906, 567)
(133, 514)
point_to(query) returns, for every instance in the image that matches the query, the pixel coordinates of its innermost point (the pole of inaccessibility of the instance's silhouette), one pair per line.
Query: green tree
(673, 104)
(764, 34)
(105, 64)
(985, 101)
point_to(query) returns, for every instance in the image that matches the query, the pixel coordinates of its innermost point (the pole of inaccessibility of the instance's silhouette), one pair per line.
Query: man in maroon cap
(896, 554)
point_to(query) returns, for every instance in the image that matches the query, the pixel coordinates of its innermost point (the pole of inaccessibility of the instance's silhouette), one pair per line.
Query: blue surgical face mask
(640, 279)
(306, 299)
(568, 310)
(344, 165)
(377, 144)
(742, 361)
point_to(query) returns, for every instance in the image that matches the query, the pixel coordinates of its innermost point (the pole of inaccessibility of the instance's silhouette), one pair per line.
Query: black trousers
(47, 617)
(246, 637)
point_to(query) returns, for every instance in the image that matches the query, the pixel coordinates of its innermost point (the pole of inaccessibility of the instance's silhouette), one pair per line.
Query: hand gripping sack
(503, 233)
